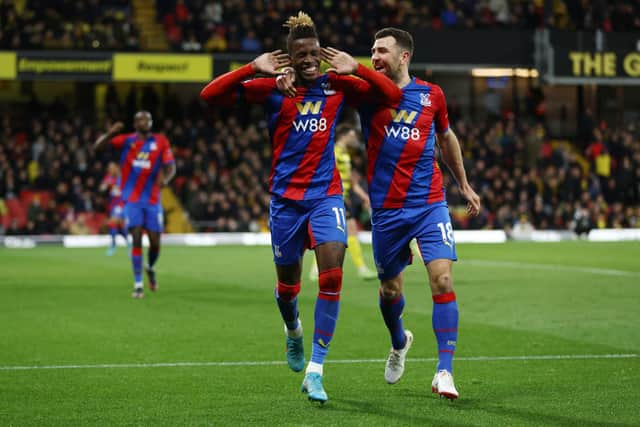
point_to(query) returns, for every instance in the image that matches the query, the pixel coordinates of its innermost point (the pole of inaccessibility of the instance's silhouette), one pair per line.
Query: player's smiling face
(387, 57)
(305, 59)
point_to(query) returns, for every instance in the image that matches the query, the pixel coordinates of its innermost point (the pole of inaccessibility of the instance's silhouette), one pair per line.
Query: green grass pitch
(519, 302)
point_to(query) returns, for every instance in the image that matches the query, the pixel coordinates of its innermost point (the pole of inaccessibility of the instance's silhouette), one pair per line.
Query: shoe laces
(395, 358)
(292, 346)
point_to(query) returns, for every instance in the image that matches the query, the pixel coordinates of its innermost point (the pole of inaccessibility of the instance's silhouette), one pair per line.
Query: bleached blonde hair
(300, 26)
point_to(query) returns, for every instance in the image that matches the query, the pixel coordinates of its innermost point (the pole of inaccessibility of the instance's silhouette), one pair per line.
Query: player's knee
(136, 236)
(288, 292)
(442, 282)
(390, 289)
(330, 281)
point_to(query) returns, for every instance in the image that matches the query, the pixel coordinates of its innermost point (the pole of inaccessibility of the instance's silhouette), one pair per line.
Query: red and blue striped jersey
(112, 183)
(303, 164)
(402, 168)
(302, 129)
(140, 164)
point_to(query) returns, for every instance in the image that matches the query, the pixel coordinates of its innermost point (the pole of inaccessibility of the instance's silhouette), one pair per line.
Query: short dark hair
(403, 38)
(300, 26)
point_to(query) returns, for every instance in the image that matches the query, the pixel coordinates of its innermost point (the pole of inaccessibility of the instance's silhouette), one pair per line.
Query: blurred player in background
(347, 139)
(408, 200)
(306, 208)
(111, 184)
(146, 163)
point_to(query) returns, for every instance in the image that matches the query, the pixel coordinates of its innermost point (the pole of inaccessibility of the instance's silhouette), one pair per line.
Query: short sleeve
(119, 140)
(256, 91)
(167, 154)
(441, 115)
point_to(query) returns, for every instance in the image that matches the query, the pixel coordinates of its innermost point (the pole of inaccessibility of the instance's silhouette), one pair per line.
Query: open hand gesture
(268, 63)
(341, 62)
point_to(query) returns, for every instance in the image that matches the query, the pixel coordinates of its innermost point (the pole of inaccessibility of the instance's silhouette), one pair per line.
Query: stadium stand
(50, 175)
(62, 24)
(241, 26)
(252, 26)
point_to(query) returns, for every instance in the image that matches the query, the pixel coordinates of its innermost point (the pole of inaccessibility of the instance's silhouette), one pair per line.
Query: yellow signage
(162, 68)
(234, 65)
(7, 65)
(631, 64)
(364, 60)
(66, 66)
(605, 64)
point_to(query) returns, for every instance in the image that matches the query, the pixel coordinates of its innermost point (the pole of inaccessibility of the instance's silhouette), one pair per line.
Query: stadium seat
(26, 197)
(16, 211)
(94, 221)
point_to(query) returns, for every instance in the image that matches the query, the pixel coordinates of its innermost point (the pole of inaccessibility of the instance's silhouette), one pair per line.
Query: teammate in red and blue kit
(146, 163)
(307, 208)
(111, 184)
(408, 200)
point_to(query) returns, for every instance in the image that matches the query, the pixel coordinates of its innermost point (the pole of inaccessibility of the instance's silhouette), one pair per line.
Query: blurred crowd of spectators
(253, 26)
(222, 167)
(223, 171)
(525, 179)
(67, 24)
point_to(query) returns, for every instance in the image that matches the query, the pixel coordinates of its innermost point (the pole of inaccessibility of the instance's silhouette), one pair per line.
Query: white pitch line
(551, 267)
(343, 361)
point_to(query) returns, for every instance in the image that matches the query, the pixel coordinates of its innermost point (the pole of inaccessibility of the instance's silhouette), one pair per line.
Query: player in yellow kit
(347, 137)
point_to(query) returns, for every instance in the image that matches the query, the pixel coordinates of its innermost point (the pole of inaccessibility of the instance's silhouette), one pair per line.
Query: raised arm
(115, 129)
(222, 90)
(452, 156)
(374, 87)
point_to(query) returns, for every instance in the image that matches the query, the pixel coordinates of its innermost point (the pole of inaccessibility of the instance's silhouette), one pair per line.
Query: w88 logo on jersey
(306, 123)
(311, 125)
(402, 125)
(402, 132)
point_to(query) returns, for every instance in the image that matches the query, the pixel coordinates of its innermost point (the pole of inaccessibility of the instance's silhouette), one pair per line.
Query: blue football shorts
(117, 211)
(150, 217)
(393, 229)
(300, 224)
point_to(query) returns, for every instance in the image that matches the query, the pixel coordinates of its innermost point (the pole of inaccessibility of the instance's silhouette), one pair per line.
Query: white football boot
(395, 363)
(442, 384)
